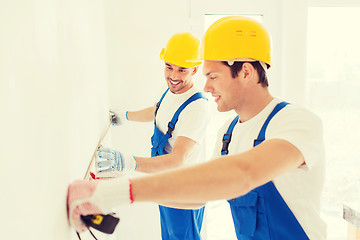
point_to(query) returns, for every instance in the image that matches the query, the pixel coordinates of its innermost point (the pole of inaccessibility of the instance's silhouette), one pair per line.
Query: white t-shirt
(192, 122)
(300, 188)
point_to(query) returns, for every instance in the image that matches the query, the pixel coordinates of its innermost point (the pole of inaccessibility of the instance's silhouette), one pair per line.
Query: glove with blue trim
(118, 118)
(109, 160)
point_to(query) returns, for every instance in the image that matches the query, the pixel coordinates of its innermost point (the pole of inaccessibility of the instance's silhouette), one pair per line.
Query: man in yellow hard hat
(269, 160)
(180, 119)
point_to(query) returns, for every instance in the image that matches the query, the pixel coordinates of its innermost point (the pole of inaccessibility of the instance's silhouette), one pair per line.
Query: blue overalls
(179, 224)
(262, 213)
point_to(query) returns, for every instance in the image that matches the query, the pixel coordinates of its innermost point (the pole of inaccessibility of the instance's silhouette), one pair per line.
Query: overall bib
(262, 213)
(176, 223)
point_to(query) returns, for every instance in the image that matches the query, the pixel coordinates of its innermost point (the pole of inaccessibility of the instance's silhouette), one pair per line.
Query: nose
(207, 87)
(174, 75)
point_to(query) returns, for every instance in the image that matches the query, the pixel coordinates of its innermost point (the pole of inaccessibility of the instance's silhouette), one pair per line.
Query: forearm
(180, 151)
(158, 163)
(144, 115)
(217, 179)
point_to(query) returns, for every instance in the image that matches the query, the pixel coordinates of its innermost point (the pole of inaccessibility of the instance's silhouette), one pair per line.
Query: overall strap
(261, 136)
(227, 136)
(159, 102)
(175, 118)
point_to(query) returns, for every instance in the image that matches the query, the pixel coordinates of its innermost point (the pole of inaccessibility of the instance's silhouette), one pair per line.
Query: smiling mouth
(175, 83)
(216, 98)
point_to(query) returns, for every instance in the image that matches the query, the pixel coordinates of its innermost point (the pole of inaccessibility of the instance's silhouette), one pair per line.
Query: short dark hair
(237, 66)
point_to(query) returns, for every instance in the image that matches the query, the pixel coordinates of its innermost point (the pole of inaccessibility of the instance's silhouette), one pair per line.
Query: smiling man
(180, 119)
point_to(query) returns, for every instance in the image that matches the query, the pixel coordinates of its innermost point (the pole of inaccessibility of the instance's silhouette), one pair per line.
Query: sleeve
(301, 128)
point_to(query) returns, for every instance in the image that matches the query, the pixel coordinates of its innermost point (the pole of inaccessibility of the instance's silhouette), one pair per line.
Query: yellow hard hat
(180, 48)
(236, 38)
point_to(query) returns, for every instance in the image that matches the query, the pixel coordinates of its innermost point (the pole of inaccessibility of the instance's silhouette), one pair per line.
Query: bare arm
(144, 115)
(223, 178)
(183, 205)
(181, 149)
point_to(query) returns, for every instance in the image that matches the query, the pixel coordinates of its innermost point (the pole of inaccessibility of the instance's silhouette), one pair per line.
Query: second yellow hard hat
(180, 48)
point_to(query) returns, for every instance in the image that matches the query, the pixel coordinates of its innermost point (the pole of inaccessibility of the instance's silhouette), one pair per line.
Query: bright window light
(333, 83)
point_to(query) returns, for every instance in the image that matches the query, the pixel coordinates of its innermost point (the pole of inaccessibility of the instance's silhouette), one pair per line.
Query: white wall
(54, 109)
(136, 32)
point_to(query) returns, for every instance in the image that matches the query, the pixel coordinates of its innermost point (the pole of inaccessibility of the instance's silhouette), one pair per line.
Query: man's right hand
(96, 197)
(118, 118)
(80, 202)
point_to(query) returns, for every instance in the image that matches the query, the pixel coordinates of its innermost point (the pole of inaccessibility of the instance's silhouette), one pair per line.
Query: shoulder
(296, 115)
(302, 128)
(295, 120)
(200, 104)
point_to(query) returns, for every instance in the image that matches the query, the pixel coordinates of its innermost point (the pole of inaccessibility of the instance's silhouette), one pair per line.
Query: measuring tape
(87, 174)
(103, 223)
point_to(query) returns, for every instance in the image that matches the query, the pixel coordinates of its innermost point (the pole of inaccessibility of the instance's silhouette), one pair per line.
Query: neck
(254, 105)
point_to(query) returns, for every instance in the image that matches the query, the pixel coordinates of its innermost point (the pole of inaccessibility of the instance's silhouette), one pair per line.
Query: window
(333, 83)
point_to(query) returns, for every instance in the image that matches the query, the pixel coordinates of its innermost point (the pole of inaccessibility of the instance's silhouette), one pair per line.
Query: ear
(248, 70)
(195, 70)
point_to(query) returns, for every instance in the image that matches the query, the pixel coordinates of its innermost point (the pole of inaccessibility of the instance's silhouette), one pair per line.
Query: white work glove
(108, 160)
(96, 197)
(117, 117)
